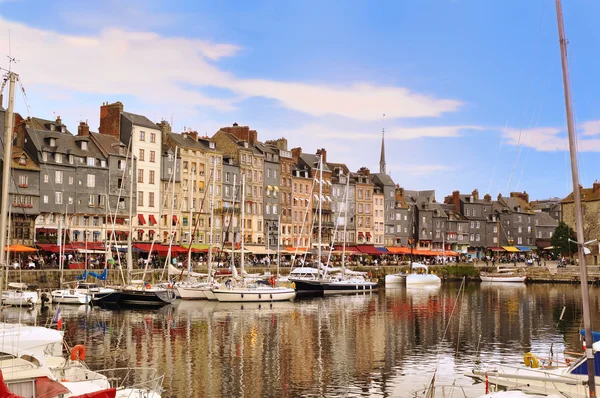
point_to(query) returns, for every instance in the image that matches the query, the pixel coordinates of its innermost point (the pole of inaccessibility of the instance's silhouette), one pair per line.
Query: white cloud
(420, 169)
(158, 70)
(551, 139)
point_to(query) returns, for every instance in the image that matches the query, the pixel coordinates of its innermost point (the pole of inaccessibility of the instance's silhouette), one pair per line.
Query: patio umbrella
(20, 249)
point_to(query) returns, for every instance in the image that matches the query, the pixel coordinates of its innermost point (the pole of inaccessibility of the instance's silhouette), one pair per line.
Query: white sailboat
(249, 289)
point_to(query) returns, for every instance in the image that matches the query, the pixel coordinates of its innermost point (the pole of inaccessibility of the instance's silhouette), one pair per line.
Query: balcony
(23, 185)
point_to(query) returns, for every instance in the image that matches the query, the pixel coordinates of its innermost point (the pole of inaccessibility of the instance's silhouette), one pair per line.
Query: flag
(58, 319)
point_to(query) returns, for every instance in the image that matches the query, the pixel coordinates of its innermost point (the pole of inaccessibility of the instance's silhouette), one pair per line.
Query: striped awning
(511, 249)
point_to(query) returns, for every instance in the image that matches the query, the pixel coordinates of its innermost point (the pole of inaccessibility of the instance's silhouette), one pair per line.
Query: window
(474, 212)
(45, 156)
(58, 198)
(91, 181)
(152, 137)
(151, 199)
(151, 176)
(274, 209)
(84, 145)
(71, 159)
(519, 218)
(274, 173)
(102, 163)
(45, 198)
(58, 157)
(122, 164)
(140, 175)
(58, 177)
(467, 212)
(23, 181)
(91, 161)
(141, 157)
(71, 179)
(477, 224)
(142, 136)
(140, 197)
(519, 240)
(52, 141)
(70, 200)
(91, 200)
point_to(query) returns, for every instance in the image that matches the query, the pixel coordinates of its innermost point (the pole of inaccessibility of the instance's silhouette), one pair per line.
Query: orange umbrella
(20, 249)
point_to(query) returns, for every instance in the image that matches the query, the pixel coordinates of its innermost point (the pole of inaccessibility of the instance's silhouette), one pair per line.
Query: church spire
(382, 158)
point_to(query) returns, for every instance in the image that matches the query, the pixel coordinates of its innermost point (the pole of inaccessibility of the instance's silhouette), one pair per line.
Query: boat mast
(233, 216)
(577, 197)
(212, 212)
(243, 203)
(278, 238)
(345, 222)
(8, 130)
(130, 234)
(320, 210)
(190, 182)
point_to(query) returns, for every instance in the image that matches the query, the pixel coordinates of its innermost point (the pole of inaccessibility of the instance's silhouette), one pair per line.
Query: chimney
(475, 194)
(487, 197)
(296, 153)
(110, 119)
(596, 186)
(20, 126)
(282, 144)
(323, 153)
(242, 133)
(58, 121)
(456, 200)
(165, 129)
(83, 130)
(193, 135)
(521, 195)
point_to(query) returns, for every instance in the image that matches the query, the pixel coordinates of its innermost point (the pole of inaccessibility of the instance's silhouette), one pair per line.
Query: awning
(152, 219)
(548, 247)
(496, 249)
(144, 247)
(269, 188)
(299, 249)
(20, 249)
(368, 234)
(151, 232)
(175, 219)
(523, 248)
(276, 188)
(360, 234)
(49, 247)
(368, 249)
(398, 250)
(510, 249)
(382, 249)
(141, 219)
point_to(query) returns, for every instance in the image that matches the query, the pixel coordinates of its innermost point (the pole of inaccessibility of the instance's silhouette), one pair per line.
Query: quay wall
(549, 273)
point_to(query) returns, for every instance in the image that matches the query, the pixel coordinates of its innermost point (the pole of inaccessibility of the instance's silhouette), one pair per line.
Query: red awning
(141, 219)
(4, 391)
(140, 231)
(368, 249)
(349, 249)
(398, 249)
(120, 220)
(175, 219)
(360, 234)
(496, 249)
(144, 247)
(52, 248)
(368, 234)
(152, 219)
(151, 232)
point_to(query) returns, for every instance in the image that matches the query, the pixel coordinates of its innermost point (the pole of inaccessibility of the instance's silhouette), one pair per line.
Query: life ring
(148, 286)
(293, 285)
(78, 353)
(530, 360)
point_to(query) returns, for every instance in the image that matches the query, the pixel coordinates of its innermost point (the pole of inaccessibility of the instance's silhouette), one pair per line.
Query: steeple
(382, 158)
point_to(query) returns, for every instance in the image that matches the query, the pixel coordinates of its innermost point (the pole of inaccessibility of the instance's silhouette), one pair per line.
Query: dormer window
(58, 157)
(102, 163)
(91, 161)
(71, 159)
(52, 141)
(211, 145)
(45, 156)
(245, 144)
(84, 145)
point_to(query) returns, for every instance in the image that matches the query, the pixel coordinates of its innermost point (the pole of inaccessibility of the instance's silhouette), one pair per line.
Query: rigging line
(529, 94)
(498, 156)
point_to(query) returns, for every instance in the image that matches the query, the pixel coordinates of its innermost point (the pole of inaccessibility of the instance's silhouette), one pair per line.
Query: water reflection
(385, 344)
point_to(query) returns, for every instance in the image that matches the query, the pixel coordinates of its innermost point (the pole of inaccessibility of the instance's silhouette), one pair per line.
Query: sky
(471, 91)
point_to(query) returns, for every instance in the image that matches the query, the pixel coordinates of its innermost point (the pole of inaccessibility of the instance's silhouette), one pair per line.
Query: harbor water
(384, 344)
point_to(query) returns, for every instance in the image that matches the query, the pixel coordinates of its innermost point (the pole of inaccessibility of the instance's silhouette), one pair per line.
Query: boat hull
(503, 278)
(348, 287)
(146, 297)
(25, 298)
(254, 295)
(306, 287)
(395, 279)
(422, 279)
(69, 297)
(191, 292)
(106, 298)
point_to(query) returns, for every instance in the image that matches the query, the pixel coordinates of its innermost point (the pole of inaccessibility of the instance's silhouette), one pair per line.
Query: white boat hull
(395, 279)
(69, 297)
(24, 298)
(191, 292)
(503, 278)
(266, 294)
(210, 295)
(422, 279)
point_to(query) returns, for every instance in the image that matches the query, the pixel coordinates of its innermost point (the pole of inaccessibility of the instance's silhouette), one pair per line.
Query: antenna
(383, 123)
(11, 59)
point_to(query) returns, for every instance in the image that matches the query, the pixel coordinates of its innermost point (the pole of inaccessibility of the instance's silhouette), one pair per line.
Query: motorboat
(503, 275)
(421, 276)
(140, 293)
(349, 282)
(70, 296)
(19, 294)
(395, 279)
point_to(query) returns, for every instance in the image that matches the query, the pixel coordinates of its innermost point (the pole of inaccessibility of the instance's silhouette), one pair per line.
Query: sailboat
(138, 292)
(502, 274)
(577, 378)
(246, 289)
(347, 281)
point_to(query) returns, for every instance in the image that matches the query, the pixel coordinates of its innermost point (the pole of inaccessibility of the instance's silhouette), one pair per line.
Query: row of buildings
(138, 177)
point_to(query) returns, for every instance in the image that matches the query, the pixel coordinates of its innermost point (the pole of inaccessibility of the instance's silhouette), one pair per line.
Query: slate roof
(313, 161)
(383, 179)
(108, 144)
(512, 203)
(545, 220)
(587, 195)
(188, 142)
(42, 124)
(139, 120)
(29, 163)
(65, 144)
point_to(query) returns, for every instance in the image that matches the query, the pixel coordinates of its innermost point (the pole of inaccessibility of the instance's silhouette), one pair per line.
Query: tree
(560, 240)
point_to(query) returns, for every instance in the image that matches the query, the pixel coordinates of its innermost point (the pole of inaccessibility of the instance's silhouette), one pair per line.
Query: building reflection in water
(384, 344)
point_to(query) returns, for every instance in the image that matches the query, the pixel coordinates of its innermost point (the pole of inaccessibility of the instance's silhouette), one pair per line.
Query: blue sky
(472, 90)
